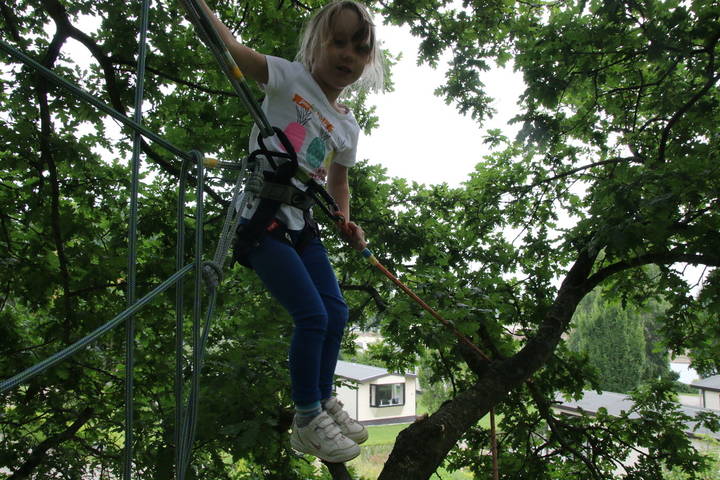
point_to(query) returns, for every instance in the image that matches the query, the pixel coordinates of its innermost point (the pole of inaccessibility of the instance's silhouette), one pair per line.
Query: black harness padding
(287, 194)
(277, 189)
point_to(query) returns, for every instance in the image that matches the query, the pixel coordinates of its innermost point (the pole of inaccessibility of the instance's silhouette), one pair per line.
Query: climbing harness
(271, 189)
(278, 189)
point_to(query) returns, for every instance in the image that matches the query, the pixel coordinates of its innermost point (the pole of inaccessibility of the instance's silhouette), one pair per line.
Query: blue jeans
(305, 284)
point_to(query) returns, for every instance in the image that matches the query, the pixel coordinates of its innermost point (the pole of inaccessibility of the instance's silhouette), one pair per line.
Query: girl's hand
(353, 235)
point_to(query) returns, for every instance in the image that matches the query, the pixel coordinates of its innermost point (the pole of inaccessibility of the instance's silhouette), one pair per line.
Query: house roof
(709, 383)
(360, 372)
(616, 403)
(592, 401)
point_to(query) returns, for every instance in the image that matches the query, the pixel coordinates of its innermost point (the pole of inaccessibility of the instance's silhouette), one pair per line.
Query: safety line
(80, 93)
(179, 317)
(207, 31)
(370, 257)
(40, 367)
(132, 246)
(197, 311)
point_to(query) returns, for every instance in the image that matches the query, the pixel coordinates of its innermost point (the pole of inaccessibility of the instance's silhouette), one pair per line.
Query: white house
(374, 396)
(709, 391)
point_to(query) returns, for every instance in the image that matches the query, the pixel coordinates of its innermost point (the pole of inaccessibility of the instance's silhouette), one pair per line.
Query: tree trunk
(421, 448)
(338, 471)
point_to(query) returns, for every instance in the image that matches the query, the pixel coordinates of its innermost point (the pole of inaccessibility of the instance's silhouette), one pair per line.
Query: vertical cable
(197, 304)
(179, 323)
(132, 247)
(190, 418)
(494, 446)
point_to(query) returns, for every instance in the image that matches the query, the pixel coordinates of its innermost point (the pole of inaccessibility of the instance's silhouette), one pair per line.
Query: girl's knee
(338, 318)
(317, 323)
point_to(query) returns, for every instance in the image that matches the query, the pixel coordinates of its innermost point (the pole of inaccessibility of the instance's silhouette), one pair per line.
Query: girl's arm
(338, 188)
(252, 63)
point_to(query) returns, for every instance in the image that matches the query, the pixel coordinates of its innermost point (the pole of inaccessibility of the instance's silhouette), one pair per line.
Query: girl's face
(342, 59)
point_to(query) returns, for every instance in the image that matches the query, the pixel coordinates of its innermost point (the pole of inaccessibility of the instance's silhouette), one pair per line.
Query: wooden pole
(493, 443)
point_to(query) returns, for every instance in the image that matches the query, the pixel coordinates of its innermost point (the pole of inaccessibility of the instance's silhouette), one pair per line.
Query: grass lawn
(377, 449)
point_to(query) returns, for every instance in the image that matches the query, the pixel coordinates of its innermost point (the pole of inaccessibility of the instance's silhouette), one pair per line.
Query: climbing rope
(210, 36)
(186, 417)
(132, 245)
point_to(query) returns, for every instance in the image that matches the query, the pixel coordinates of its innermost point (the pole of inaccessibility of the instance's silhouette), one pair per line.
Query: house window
(390, 395)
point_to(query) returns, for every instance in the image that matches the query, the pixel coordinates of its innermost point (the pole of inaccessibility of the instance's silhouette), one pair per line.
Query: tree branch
(374, 294)
(544, 410)
(573, 171)
(180, 81)
(679, 114)
(661, 258)
(46, 132)
(338, 471)
(39, 453)
(10, 21)
(712, 80)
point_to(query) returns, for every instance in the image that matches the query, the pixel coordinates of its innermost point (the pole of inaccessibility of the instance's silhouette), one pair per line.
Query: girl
(338, 48)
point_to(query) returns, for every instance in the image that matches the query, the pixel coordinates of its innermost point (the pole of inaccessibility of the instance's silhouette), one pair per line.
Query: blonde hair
(317, 33)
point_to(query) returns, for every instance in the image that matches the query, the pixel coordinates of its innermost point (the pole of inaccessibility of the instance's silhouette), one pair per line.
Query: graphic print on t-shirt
(316, 150)
(320, 151)
(295, 131)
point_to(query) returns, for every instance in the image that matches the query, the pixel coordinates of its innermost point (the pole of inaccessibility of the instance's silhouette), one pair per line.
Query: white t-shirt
(319, 133)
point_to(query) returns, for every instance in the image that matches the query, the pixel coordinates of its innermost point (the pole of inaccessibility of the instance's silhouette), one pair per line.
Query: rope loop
(212, 274)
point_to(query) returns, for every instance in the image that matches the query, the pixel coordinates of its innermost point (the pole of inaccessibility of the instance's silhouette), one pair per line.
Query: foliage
(619, 342)
(615, 168)
(713, 470)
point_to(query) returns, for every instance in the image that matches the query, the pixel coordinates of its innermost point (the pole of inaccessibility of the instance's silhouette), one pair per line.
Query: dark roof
(362, 373)
(592, 401)
(616, 403)
(709, 383)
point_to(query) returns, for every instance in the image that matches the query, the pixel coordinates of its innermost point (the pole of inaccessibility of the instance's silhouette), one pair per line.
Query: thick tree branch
(39, 453)
(660, 258)
(11, 22)
(441, 431)
(46, 133)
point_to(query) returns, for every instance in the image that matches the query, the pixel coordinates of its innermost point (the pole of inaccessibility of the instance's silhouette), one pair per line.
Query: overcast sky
(420, 138)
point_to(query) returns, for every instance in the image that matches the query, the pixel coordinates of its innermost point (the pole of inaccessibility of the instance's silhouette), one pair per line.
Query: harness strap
(287, 194)
(277, 190)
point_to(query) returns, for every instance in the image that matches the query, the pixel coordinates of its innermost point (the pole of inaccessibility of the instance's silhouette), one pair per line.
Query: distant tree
(619, 342)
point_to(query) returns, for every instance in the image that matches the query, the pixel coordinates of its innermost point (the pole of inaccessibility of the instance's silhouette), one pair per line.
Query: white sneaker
(322, 438)
(349, 427)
